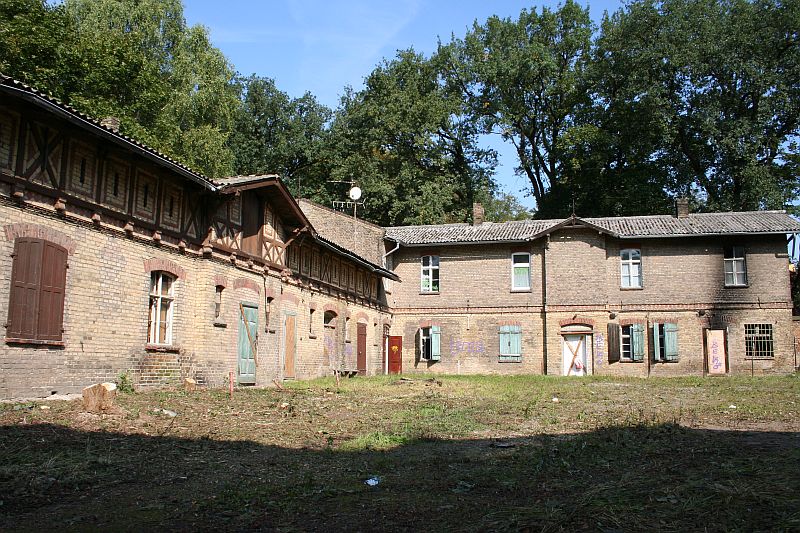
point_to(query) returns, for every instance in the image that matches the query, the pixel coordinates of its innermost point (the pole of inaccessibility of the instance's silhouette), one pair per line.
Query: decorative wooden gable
(274, 236)
(44, 146)
(82, 170)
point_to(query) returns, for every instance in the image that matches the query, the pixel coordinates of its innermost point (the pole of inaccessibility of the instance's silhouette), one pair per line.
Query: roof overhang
(372, 267)
(87, 124)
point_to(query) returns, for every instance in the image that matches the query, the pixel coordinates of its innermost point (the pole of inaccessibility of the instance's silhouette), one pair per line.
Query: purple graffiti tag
(460, 346)
(599, 349)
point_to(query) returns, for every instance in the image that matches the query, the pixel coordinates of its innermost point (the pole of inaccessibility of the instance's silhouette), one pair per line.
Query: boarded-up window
(38, 281)
(252, 219)
(613, 342)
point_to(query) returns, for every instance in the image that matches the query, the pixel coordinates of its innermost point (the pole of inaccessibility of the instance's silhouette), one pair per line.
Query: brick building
(682, 294)
(117, 259)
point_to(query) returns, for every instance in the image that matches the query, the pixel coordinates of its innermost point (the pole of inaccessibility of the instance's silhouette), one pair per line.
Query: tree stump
(99, 397)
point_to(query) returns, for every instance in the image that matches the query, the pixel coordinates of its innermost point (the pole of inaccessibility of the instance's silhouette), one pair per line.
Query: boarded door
(248, 343)
(395, 355)
(361, 350)
(290, 341)
(575, 355)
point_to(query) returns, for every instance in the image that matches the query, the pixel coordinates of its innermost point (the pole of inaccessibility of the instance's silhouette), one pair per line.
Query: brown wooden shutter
(613, 342)
(51, 299)
(23, 308)
(38, 282)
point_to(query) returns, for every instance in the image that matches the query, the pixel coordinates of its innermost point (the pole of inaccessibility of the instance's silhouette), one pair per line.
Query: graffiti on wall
(460, 346)
(599, 349)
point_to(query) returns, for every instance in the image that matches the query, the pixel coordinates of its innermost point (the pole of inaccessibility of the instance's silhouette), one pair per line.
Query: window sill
(428, 293)
(630, 361)
(312, 336)
(510, 359)
(521, 290)
(759, 358)
(171, 348)
(631, 288)
(34, 342)
(659, 362)
(220, 324)
(745, 286)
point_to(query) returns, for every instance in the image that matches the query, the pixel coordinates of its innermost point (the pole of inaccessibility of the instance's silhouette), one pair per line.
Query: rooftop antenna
(573, 204)
(355, 195)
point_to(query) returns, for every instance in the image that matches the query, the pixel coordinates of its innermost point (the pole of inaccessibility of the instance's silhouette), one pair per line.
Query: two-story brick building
(682, 294)
(117, 259)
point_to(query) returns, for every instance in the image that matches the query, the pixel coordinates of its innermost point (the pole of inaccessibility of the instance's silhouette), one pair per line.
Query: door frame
(287, 314)
(251, 305)
(359, 327)
(588, 342)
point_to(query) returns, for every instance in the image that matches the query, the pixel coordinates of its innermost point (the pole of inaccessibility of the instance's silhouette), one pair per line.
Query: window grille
(758, 341)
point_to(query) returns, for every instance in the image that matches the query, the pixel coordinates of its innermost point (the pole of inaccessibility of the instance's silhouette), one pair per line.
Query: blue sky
(321, 47)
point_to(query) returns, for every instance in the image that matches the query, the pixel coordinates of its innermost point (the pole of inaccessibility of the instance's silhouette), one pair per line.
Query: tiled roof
(696, 224)
(45, 99)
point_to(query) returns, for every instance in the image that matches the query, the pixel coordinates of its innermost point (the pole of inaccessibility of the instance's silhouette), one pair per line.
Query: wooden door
(361, 349)
(395, 355)
(290, 342)
(574, 354)
(248, 343)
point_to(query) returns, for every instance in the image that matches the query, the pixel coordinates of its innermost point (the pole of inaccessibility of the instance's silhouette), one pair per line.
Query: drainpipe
(544, 304)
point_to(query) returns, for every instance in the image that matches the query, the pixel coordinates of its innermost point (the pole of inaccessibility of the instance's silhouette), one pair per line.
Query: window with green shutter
(665, 342)
(510, 343)
(430, 343)
(632, 343)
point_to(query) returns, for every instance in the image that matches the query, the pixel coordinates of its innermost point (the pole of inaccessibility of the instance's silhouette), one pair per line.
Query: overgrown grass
(450, 452)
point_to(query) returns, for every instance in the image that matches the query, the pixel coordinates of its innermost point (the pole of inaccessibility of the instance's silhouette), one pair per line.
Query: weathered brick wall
(359, 236)
(683, 282)
(106, 315)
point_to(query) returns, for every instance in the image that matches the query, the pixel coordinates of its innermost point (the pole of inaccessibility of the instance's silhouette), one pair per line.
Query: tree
(277, 134)
(520, 79)
(718, 80)
(503, 206)
(407, 141)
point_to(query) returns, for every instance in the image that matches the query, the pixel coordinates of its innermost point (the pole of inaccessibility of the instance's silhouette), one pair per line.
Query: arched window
(162, 308)
(330, 319)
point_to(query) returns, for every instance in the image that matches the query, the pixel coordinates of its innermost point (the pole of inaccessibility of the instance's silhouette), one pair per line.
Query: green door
(248, 343)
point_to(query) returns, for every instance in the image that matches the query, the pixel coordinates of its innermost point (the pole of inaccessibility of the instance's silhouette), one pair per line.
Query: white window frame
(526, 264)
(738, 258)
(429, 273)
(430, 343)
(157, 297)
(630, 281)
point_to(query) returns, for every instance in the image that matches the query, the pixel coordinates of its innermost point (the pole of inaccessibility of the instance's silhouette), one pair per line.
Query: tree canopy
(661, 98)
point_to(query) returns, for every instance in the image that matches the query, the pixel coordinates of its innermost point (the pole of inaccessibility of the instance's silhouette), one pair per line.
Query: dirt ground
(526, 453)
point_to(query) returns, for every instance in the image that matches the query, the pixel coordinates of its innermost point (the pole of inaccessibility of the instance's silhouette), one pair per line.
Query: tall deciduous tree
(275, 133)
(521, 80)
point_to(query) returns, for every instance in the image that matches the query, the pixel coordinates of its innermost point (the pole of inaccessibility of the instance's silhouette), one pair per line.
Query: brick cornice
(14, 231)
(157, 263)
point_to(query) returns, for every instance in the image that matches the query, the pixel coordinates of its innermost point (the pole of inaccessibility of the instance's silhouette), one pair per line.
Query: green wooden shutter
(637, 342)
(612, 342)
(515, 340)
(436, 343)
(656, 343)
(671, 341)
(504, 343)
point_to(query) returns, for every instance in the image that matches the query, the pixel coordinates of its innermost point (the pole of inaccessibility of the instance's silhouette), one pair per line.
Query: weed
(124, 383)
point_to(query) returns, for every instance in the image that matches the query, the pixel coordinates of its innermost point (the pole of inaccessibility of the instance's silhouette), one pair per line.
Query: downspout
(544, 304)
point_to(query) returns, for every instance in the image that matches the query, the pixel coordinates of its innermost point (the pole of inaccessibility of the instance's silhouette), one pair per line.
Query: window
(626, 343)
(311, 323)
(329, 319)
(758, 341)
(347, 329)
(430, 343)
(520, 272)
(38, 283)
(735, 267)
(665, 342)
(218, 302)
(510, 343)
(630, 268)
(429, 273)
(162, 308)
(268, 313)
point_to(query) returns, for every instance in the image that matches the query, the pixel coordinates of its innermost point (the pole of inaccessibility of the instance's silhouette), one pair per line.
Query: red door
(361, 349)
(395, 355)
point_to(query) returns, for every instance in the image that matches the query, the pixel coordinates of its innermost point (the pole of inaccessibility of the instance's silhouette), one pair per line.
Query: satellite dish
(355, 193)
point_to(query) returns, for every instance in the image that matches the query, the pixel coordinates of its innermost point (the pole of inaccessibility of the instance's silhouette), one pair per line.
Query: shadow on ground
(662, 477)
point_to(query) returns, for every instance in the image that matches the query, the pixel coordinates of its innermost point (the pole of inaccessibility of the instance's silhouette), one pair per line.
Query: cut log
(99, 397)
(189, 385)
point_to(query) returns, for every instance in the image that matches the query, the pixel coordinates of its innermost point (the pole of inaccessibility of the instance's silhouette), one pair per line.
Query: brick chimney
(681, 207)
(111, 123)
(477, 214)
